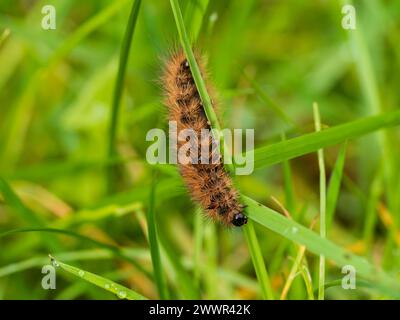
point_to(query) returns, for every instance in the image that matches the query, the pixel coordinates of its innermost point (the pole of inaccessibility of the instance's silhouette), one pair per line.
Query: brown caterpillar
(209, 184)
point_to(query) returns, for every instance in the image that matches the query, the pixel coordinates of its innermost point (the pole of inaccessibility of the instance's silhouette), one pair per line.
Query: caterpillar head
(239, 219)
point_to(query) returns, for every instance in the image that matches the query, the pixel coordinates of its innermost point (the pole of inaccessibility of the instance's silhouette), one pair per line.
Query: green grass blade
(311, 142)
(334, 186)
(115, 250)
(211, 248)
(338, 283)
(297, 265)
(86, 29)
(198, 245)
(194, 14)
(119, 83)
(30, 217)
(265, 98)
(184, 280)
(371, 215)
(322, 209)
(258, 261)
(288, 184)
(11, 198)
(154, 247)
(314, 243)
(82, 255)
(111, 286)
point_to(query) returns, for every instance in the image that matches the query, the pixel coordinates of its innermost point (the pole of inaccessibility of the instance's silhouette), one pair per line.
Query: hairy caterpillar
(208, 183)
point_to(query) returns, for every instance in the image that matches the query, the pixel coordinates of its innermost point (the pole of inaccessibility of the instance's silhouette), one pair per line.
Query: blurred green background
(56, 91)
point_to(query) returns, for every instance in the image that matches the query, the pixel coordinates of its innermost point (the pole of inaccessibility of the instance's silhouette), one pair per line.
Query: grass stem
(322, 214)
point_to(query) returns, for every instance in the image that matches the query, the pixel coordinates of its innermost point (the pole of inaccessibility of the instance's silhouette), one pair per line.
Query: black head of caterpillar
(209, 184)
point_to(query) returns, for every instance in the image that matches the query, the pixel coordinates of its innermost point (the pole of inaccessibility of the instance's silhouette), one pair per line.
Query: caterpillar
(209, 184)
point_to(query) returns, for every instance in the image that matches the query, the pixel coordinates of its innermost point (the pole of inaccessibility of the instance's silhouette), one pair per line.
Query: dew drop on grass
(107, 286)
(54, 262)
(122, 294)
(295, 230)
(81, 273)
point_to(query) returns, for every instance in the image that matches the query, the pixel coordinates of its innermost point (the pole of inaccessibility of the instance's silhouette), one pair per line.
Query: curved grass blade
(12, 199)
(311, 142)
(115, 250)
(111, 286)
(314, 243)
(82, 255)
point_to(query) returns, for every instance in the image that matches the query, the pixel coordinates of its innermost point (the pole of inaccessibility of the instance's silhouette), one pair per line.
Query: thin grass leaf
(314, 243)
(371, 215)
(288, 184)
(115, 250)
(82, 255)
(106, 284)
(265, 98)
(322, 208)
(305, 273)
(293, 272)
(334, 186)
(311, 142)
(184, 281)
(30, 217)
(194, 15)
(153, 242)
(211, 248)
(258, 261)
(119, 83)
(12, 199)
(198, 244)
(338, 283)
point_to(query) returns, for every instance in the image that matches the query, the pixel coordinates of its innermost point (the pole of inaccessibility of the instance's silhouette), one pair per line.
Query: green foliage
(78, 101)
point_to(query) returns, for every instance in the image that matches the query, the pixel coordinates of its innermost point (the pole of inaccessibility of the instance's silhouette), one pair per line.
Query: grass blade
(153, 241)
(265, 98)
(123, 60)
(115, 250)
(121, 291)
(322, 210)
(194, 14)
(334, 186)
(293, 272)
(198, 245)
(12, 199)
(311, 142)
(314, 243)
(258, 261)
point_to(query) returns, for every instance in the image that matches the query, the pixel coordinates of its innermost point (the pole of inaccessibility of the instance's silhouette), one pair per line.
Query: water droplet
(107, 286)
(122, 294)
(81, 273)
(294, 230)
(214, 17)
(54, 262)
